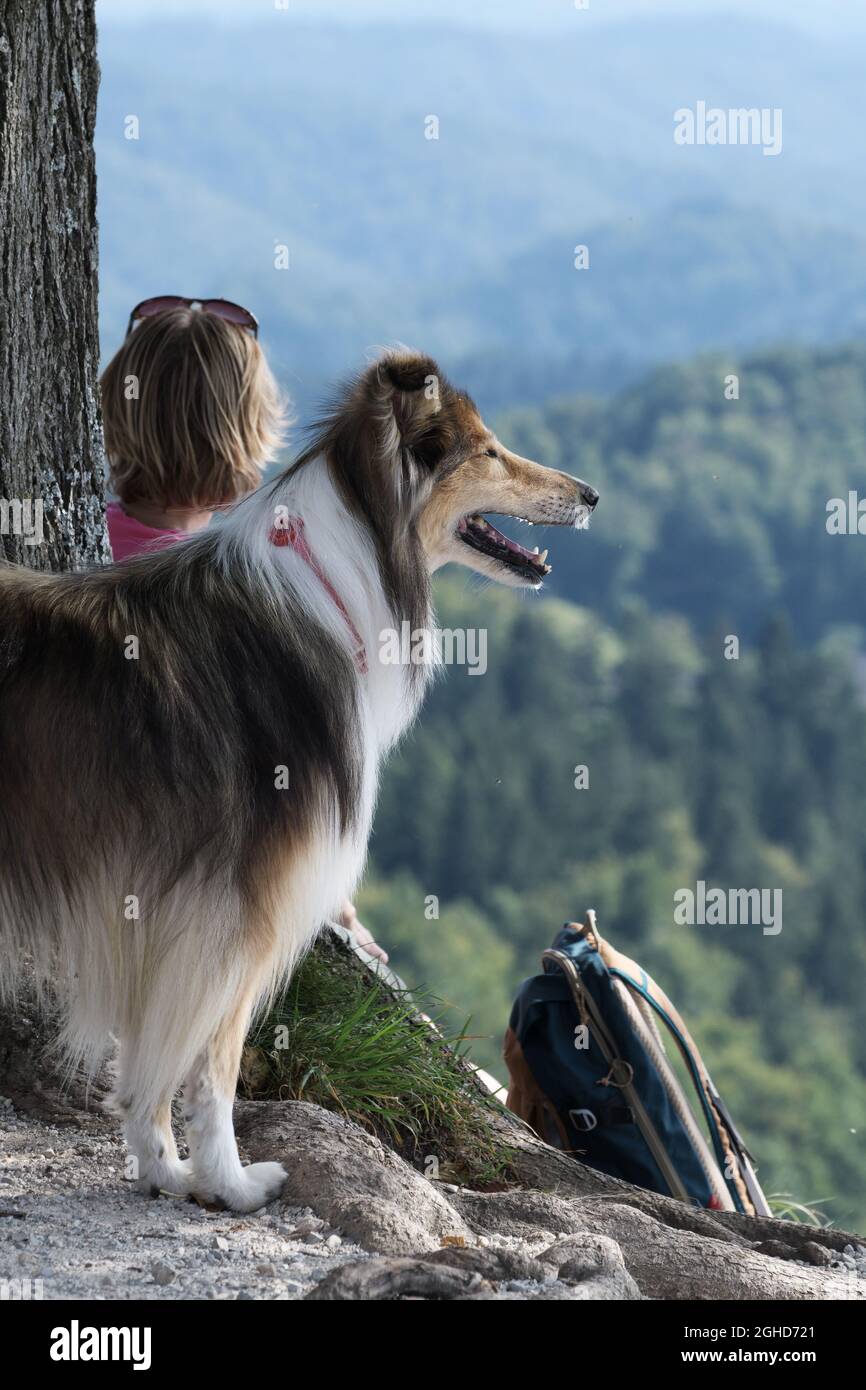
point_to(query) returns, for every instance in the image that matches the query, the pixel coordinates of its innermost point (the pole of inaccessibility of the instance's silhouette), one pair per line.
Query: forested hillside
(744, 773)
(711, 507)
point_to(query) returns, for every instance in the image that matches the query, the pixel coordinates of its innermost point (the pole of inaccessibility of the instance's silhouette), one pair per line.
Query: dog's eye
(491, 454)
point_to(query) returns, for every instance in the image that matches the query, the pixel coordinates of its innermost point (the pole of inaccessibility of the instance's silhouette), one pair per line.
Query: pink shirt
(131, 537)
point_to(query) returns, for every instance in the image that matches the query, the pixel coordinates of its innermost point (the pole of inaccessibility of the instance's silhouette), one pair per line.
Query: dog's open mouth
(478, 533)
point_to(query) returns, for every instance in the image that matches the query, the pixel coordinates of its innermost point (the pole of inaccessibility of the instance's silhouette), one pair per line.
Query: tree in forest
(51, 492)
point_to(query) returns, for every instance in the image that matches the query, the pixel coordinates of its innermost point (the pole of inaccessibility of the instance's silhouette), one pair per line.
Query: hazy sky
(837, 16)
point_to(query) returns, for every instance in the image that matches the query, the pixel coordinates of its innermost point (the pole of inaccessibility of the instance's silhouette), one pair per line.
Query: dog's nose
(590, 496)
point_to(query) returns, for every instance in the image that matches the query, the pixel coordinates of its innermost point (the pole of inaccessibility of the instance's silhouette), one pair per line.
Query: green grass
(786, 1208)
(341, 1039)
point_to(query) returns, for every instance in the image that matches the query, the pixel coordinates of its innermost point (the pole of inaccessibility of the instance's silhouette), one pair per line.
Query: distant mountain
(314, 137)
(694, 275)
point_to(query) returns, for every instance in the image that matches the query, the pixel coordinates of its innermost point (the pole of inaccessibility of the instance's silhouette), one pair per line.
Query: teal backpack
(589, 1072)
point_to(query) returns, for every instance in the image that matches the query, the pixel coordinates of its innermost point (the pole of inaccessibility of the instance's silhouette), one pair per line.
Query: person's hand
(349, 919)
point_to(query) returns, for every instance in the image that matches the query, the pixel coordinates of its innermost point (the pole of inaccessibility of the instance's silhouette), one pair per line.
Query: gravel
(853, 1259)
(69, 1220)
(71, 1227)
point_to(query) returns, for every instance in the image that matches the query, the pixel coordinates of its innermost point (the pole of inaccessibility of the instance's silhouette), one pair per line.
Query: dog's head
(412, 454)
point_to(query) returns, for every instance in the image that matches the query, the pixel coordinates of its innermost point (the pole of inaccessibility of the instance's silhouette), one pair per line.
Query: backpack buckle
(621, 1074)
(583, 1120)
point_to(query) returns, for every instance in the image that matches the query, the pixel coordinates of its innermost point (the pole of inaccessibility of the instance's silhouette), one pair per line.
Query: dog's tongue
(484, 528)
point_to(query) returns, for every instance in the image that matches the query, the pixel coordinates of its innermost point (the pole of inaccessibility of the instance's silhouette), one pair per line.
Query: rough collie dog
(190, 744)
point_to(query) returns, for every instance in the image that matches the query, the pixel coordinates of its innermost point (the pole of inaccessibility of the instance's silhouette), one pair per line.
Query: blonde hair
(191, 411)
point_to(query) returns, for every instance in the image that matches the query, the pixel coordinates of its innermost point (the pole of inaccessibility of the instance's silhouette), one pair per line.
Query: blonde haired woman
(192, 417)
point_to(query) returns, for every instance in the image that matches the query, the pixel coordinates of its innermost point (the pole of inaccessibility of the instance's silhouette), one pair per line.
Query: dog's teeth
(543, 556)
(535, 550)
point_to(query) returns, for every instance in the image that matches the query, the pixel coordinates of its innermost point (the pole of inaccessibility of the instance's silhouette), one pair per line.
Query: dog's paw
(256, 1185)
(167, 1179)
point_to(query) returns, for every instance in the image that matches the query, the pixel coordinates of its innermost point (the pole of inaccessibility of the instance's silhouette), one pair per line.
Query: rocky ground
(356, 1222)
(67, 1218)
(71, 1227)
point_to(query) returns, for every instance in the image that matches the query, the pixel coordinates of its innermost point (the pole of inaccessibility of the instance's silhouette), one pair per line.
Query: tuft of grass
(342, 1039)
(786, 1208)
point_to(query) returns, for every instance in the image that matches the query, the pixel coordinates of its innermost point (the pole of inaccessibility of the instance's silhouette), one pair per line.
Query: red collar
(291, 532)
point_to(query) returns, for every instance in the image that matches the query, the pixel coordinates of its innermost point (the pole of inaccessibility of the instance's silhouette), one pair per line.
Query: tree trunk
(51, 456)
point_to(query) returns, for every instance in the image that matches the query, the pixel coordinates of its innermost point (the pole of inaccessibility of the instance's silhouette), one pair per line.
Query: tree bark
(51, 453)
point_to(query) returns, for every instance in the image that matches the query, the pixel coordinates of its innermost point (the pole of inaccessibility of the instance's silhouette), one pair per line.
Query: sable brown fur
(190, 746)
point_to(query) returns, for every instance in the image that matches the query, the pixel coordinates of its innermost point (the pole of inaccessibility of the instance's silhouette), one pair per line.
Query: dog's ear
(409, 389)
(409, 371)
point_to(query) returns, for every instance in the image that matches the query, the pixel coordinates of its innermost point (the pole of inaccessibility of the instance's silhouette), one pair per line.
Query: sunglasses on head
(221, 308)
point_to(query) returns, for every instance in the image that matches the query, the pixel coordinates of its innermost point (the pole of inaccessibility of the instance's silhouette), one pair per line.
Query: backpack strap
(738, 1161)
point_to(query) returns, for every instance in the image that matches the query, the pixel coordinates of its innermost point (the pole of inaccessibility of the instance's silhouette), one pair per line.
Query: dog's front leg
(153, 1162)
(208, 1095)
